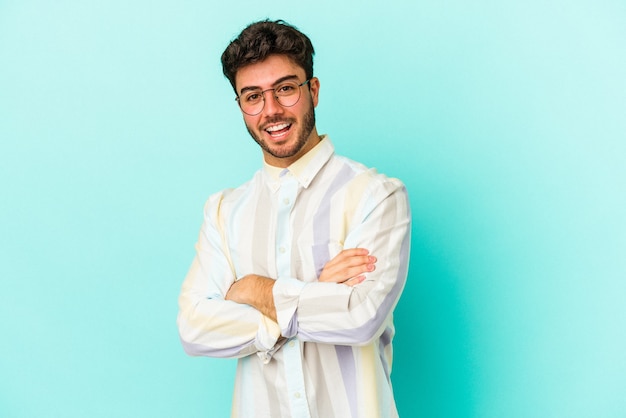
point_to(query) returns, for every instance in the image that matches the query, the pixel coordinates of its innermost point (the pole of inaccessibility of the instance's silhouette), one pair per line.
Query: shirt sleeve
(208, 324)
(339, 314)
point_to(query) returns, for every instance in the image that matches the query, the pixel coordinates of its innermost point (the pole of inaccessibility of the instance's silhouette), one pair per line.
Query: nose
(271, 107)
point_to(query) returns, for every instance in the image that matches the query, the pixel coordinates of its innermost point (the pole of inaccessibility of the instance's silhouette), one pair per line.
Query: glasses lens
(288, 94)
(252, 102)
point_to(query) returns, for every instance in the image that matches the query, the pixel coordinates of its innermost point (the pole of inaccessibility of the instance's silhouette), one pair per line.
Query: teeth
(277, 127)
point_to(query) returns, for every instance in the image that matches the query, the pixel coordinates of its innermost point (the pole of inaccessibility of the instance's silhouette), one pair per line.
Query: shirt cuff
(286, 296)
(267, 339)
(267, 335)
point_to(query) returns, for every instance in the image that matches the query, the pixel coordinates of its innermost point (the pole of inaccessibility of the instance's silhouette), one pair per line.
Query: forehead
(264, 74)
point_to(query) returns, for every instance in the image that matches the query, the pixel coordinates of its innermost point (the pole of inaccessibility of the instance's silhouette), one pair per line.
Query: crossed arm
(347, 268)
(219, 318)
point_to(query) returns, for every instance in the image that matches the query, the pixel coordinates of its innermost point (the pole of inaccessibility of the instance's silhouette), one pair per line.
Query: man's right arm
(346, 268)
(210, 325)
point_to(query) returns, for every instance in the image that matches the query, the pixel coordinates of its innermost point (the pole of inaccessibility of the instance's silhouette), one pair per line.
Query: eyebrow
(280, 80)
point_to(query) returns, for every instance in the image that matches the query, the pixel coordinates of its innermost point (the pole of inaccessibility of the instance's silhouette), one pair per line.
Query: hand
(348, 267)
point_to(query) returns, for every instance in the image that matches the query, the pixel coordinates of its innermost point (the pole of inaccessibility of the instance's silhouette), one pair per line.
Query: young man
(298, 271)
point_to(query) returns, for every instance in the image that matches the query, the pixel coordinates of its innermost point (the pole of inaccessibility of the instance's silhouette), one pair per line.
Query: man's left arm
(348, 268)
(354, 314)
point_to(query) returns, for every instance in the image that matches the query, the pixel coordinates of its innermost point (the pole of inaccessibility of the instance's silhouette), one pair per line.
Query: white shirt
(335, 359)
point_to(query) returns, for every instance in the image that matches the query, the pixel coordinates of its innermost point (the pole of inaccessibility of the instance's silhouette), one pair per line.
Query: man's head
(270, 66)
(262, 39)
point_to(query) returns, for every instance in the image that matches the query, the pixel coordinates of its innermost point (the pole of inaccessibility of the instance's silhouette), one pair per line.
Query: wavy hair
(262, 39)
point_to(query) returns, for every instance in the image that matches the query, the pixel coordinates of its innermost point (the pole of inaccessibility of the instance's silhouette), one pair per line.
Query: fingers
(350, 258)
(348, 265)
(347, 255)
(355, 280)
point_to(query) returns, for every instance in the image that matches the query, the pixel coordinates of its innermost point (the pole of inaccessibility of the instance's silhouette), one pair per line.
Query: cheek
(250, 121)
(303, 107)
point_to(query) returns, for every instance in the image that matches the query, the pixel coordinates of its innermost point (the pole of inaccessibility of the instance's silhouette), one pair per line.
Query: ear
(314, 88)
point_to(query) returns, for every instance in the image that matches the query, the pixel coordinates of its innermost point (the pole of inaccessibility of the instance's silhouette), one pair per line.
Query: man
(297, 271)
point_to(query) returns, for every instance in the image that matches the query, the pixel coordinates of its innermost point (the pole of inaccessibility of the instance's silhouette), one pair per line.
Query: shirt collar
(305, 169)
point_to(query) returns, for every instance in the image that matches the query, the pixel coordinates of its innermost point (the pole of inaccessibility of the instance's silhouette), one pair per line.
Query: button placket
(286, 196)
(292, 355)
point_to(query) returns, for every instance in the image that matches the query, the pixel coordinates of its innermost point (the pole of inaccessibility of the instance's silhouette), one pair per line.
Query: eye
(252, 97)
(285, 89)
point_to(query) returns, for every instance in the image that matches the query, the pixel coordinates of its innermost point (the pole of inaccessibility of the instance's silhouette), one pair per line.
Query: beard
(302, 137)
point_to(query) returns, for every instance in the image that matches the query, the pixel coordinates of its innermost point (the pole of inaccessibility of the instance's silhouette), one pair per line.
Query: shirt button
(282, 250)
(291, 343)
(296, 395)
(286, 201)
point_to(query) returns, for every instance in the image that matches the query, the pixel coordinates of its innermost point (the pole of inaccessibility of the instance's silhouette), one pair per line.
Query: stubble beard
(308, 123)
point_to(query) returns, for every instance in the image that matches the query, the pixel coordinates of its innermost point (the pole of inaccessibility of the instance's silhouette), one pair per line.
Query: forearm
(353, 315)
(210, 325)
(255, 291)
(338, 314)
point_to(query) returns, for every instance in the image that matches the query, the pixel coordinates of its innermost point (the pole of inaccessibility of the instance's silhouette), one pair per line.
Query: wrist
(263, 296)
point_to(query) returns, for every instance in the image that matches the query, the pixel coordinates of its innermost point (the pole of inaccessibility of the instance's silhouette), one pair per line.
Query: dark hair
(262, 39)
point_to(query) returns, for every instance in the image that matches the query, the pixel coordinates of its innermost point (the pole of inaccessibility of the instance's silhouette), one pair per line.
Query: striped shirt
(330, 353)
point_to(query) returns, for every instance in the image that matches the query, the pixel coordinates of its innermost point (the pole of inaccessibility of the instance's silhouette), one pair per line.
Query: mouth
(278, 131)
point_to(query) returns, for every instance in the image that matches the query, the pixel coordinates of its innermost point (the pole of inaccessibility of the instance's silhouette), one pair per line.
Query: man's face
(284, 133)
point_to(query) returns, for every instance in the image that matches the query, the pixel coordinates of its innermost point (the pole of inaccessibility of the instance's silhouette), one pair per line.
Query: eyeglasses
(286, 94)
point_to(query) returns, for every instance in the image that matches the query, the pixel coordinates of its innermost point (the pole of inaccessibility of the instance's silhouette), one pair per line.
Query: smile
(278, 130)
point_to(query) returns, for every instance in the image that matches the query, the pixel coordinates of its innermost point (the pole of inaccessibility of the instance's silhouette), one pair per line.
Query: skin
(346, 268)
(282, 150)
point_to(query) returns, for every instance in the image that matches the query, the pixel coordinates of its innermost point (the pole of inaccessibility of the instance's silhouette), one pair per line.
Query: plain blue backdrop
(506, 121)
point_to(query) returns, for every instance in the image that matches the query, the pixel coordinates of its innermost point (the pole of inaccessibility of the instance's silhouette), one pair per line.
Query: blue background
(506, 121)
